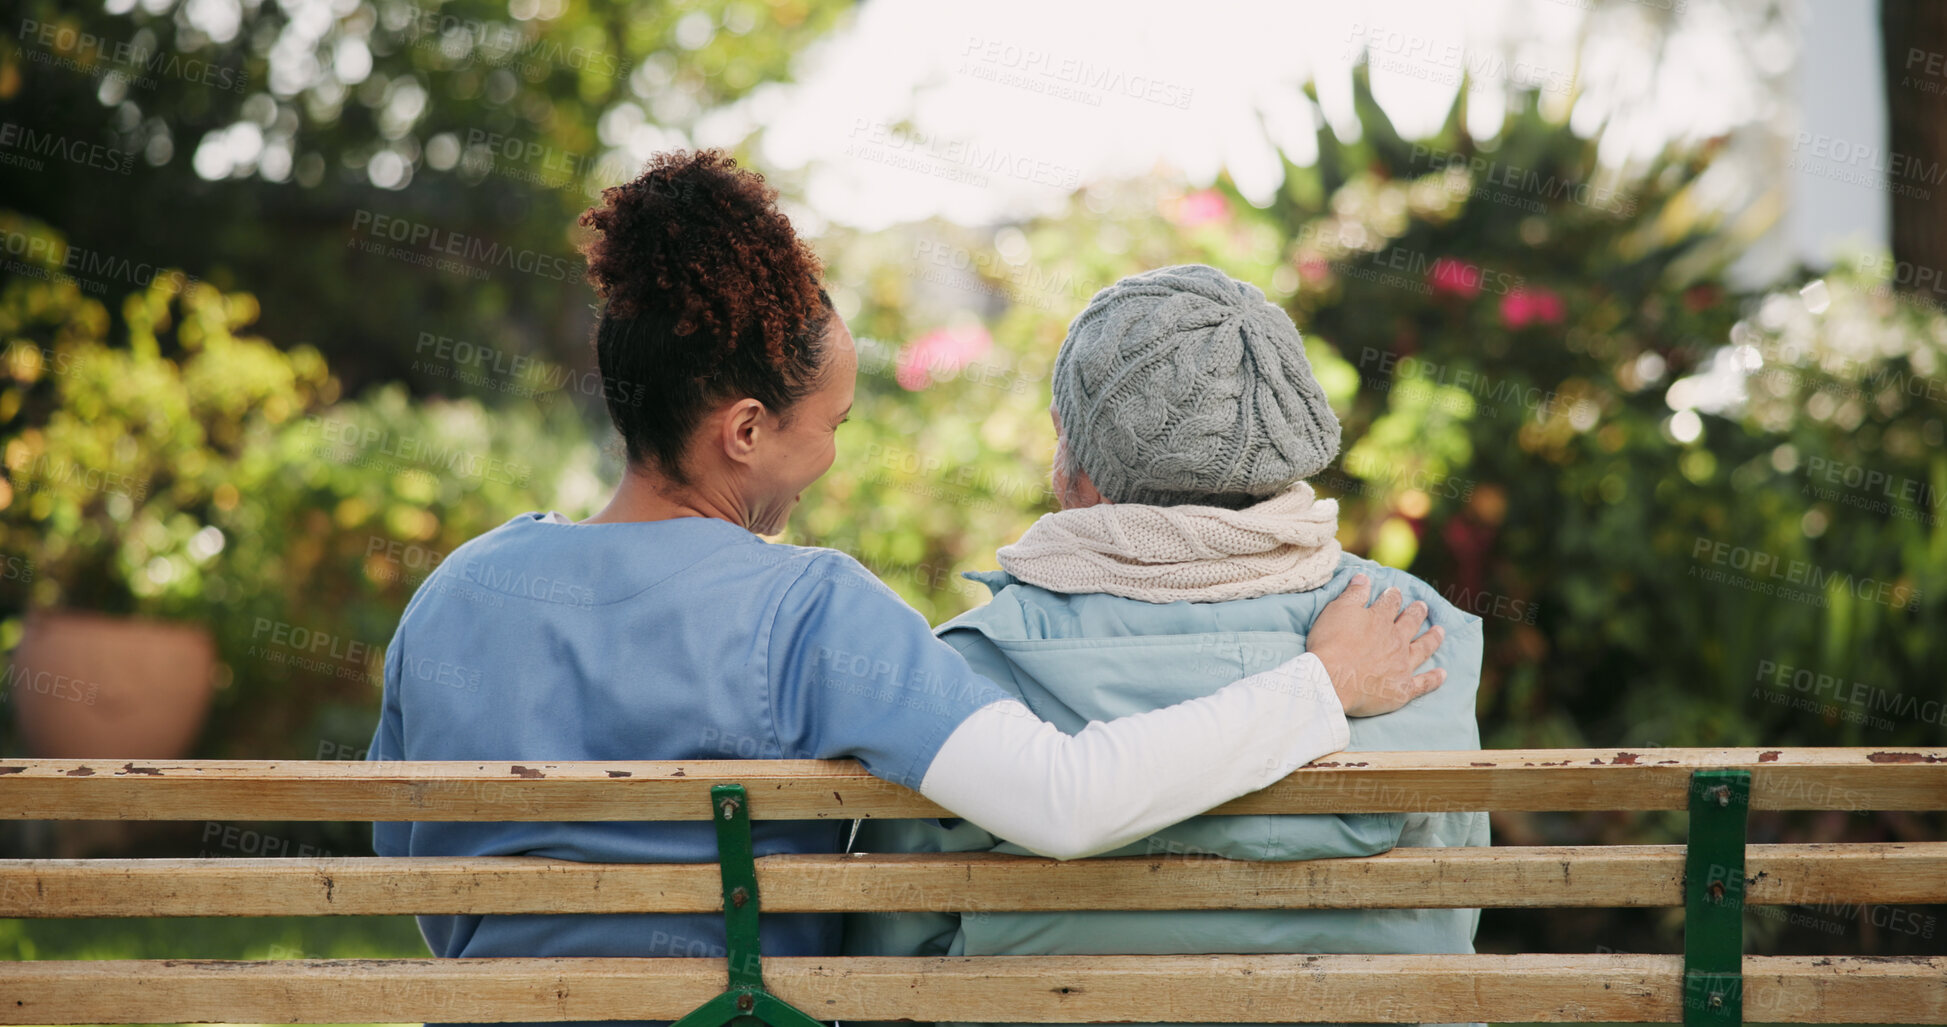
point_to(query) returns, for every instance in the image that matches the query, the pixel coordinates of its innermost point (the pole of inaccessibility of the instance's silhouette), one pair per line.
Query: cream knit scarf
(1160, 554)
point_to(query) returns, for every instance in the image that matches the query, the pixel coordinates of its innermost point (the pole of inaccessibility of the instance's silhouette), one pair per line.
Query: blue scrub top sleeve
(854, 671)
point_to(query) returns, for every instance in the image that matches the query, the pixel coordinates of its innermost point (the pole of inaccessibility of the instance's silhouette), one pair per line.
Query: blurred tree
(265, 142)
(1543, 379)
(1913, 52)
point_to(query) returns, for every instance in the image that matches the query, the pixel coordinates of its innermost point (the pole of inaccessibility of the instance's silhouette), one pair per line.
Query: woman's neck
(643, 496)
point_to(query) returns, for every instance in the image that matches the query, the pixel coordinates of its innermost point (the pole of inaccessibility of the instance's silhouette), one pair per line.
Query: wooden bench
(1714, 876)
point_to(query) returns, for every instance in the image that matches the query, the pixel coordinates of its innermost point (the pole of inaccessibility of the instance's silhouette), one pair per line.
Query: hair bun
(699, 242)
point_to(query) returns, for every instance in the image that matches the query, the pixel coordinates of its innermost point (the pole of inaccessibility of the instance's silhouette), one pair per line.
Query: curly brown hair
(708, 295)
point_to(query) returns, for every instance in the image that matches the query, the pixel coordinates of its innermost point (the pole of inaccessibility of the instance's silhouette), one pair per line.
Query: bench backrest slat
(1545, 877)
(1367, 782)
(1052, 989)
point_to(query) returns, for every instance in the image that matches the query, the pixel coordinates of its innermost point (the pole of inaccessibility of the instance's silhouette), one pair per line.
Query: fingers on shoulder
(1359, 591)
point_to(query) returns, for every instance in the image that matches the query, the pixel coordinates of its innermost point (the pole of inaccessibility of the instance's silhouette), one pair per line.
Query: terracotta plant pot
(88, 686)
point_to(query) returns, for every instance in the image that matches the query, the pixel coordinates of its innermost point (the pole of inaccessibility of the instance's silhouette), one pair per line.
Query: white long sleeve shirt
(1067, 797)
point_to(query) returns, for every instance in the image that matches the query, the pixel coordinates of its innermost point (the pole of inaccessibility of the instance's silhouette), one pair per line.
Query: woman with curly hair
(665, 628)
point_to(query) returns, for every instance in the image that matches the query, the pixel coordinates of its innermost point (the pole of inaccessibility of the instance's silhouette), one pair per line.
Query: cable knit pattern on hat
(1202, 554)
(1182, 383)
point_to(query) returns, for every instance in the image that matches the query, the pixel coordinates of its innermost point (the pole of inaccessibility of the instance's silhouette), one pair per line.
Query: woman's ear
(739, 427)
(1072, 487)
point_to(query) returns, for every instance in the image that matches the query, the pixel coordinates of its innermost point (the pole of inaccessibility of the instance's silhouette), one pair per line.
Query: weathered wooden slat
(1367, 782)
(1061, 989)
(1508, 877)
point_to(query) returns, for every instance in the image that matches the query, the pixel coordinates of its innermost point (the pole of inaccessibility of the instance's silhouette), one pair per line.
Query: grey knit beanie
(1182, 383)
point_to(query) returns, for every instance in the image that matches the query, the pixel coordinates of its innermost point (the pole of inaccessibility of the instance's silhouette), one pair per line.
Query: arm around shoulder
(1117, 781)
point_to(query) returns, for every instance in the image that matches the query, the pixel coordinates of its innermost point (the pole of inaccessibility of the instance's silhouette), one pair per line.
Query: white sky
(990, 143)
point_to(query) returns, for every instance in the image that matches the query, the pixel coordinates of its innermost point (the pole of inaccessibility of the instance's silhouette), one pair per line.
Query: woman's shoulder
(819, 568)
(1441, 609)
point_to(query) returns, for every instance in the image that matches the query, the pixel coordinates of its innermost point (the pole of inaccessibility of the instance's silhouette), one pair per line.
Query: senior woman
(665, 628)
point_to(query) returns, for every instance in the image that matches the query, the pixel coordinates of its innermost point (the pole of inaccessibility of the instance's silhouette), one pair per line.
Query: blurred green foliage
(194, 472)
(116, 451)
(1499, 324)
(1502, 351)
(257, 134)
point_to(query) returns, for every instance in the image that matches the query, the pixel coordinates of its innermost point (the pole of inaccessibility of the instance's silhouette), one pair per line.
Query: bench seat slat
(1505, 877)
(1365, 782)
(1063, 989)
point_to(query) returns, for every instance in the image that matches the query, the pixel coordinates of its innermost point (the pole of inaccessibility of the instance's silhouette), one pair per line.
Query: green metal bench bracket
(746, 1003)
(1713, 899)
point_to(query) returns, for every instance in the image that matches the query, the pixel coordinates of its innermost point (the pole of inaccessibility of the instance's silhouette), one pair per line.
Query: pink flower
(1201, 207)
(940, 354)
(1455, 278)
(1523, 307)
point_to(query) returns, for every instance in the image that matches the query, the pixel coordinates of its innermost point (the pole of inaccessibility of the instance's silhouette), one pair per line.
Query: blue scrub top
(692, 638)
